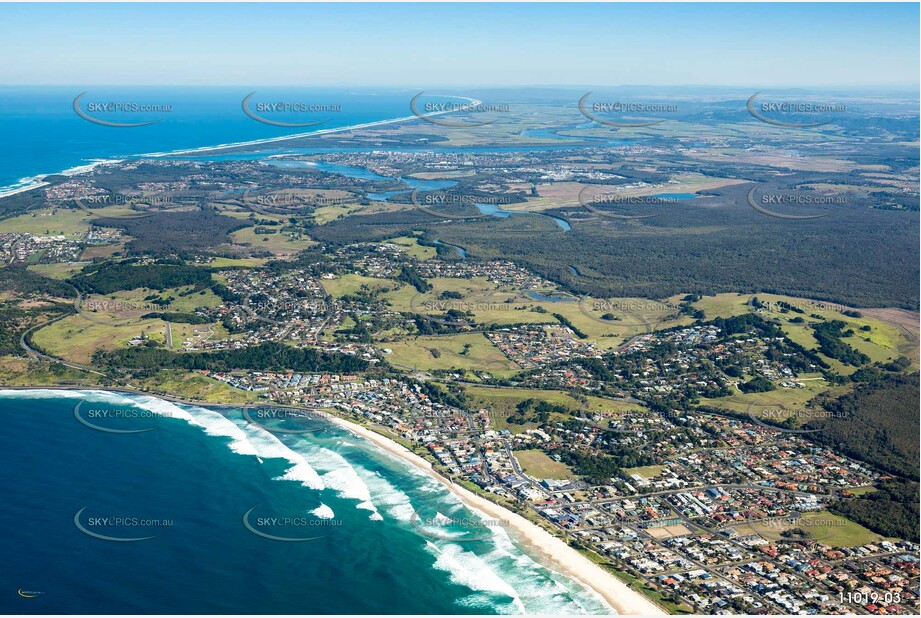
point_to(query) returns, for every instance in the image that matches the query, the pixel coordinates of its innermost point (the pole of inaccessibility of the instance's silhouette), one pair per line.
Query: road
(32, 352)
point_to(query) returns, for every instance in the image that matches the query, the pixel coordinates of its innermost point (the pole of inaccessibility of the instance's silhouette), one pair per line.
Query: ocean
(42, 134)
(199, 510)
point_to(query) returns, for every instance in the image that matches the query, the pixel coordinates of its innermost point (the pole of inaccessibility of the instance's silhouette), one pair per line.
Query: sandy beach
(558, 554)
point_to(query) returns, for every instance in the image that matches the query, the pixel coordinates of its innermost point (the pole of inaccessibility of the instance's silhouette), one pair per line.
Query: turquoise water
(196, 474)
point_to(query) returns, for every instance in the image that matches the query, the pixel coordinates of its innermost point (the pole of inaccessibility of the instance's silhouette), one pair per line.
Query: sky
(428, 45)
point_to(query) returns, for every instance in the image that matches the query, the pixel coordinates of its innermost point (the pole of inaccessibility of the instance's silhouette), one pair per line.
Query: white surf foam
(246, 440)
(503, 571)
(467, 569)
(323, 512)
(339, 475)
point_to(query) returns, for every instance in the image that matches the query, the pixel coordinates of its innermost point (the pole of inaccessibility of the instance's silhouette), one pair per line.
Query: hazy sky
(460, 44)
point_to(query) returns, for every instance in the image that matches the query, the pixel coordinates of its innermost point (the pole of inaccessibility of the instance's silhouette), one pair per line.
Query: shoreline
(35, 182)
(559, 556)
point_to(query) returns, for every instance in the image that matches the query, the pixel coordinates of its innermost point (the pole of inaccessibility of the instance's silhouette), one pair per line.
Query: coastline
(560, 556)
(35, 182)
(283, 138)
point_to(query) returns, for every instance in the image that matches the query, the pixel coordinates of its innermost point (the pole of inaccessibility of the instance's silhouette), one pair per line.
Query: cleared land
(471, 351)
(821, 526)
(646, 472)
(58, 271)
(539, 465)
(49, 222)
(75, 338)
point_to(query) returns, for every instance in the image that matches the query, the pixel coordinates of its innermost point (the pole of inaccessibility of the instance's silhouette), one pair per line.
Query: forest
(890, 510)
(876, 423)
(269, 356)
(129, 275)
(710, 245)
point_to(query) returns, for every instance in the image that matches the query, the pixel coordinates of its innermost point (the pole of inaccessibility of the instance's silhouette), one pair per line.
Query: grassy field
(349, 284)
(276, 243)
(221, 262)
(783, 398)
(482, 355)
(326, 214)
(501, 403)
(646, 472)
(181, 303)
(881, 343)
(539, 465)
(93, 252)
(17, 371)
(884, 341)
(821, 526)
(68, 222)
(721, 305)
(195, 387)
(492, 304)
(612, 407)
(58, 271)
(862, 491)
(413, 247)
(559, 194)
(75, 338)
